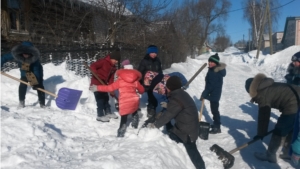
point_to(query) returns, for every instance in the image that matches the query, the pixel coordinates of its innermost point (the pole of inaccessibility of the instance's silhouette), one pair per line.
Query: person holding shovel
(213, 89)
(104, 68)
(127, 84)
(269, 94)
(31, 69)
(182, 108)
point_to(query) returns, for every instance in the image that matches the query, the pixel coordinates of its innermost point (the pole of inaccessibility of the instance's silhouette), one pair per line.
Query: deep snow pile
(53, 138)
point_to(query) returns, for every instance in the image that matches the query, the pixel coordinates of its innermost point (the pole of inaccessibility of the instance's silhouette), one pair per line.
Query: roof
(285, 26)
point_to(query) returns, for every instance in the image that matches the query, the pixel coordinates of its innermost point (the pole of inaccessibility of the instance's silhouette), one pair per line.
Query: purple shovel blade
(68, 98)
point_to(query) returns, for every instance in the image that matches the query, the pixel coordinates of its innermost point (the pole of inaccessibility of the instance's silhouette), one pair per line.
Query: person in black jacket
(269, 94)
(182, 108)
(31, 69)
(213, 89)
(150, 64)
(293, 71)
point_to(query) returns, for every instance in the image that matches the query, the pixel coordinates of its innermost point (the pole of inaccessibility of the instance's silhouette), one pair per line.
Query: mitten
(112, 94)
(164, 104)
(93, 88)
(258, 137)
(34, 87)
(295, 159)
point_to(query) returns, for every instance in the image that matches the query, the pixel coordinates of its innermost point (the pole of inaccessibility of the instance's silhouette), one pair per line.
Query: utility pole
(270, 27)
(261, 33)
(249, 40)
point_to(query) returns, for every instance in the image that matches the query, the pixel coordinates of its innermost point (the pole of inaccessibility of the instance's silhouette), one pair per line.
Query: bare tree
(128, 15)
(254, 12)
(221, 43)
(196, 21)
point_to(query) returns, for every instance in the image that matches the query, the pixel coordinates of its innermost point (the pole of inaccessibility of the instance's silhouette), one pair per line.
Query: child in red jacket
(105, 69)
(127, 84)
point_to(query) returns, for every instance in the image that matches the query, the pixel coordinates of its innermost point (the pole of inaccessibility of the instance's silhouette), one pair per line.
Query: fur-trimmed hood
(260, 81)
(219, 67)
(25, 47)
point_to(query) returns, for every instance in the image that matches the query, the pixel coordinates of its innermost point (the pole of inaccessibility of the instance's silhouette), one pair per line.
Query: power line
(237, 10)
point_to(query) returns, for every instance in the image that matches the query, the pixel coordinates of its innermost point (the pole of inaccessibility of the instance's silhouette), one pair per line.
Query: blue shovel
(65, 99)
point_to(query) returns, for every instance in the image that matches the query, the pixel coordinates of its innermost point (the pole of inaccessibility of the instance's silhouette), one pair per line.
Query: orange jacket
(128, 85)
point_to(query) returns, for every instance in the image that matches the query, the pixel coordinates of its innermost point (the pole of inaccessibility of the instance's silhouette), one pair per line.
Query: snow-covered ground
(53, 138)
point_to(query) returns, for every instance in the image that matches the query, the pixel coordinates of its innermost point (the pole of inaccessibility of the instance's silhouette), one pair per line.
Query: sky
(53, 138)
(237, 26)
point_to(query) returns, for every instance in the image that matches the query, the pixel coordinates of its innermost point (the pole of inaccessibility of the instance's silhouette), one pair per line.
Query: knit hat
(152, 49)
(128, 66)
(173, 83)
(296, 57)
(125, 62)
(115, 55)
(248, 83)
(214, 58)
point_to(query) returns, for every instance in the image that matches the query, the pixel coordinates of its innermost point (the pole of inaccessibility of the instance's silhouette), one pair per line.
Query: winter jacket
(269, 94)
(158, 85)
(104, 69)
(214, 83)
(34, 59)
(127, 83)
(182, 108)
(149, 64)
(293, 76)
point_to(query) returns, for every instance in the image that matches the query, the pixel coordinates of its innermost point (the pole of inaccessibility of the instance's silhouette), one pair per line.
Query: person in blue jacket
(293, 70)
(28, 58)
(213, 89)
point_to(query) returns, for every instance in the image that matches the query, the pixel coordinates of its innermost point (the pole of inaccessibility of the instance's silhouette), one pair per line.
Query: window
(16, 15)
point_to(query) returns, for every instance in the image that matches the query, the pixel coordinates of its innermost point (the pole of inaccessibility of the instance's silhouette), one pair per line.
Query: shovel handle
(87, 66)
(195, 75)
(248, 143)
(201, 110)
(12, 77)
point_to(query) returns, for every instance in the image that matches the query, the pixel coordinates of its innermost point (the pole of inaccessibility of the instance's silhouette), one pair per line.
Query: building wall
(290, 34)
(297, 41)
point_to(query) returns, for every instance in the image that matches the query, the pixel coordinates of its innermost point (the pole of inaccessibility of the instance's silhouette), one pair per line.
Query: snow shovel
(227, 157)
(194, 76)
(87, 66)
(65, 99)
(203, 126)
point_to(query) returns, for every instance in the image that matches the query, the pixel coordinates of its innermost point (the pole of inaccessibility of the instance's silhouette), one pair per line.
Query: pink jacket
(127, 83)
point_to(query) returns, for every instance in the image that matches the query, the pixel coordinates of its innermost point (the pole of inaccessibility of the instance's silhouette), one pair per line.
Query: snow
(52, 138)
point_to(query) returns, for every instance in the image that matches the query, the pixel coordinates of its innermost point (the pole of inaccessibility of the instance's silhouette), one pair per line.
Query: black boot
(122, 130)
(286, 147)
(270, 154)
(214, 130)
(135, 120)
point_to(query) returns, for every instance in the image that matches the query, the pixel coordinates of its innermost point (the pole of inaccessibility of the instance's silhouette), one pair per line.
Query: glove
(93, 88)
(295, 159)
(258, 137)
(164, 104)
(112, 94)
(150, 120)
(34, 87)
(151, 126)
